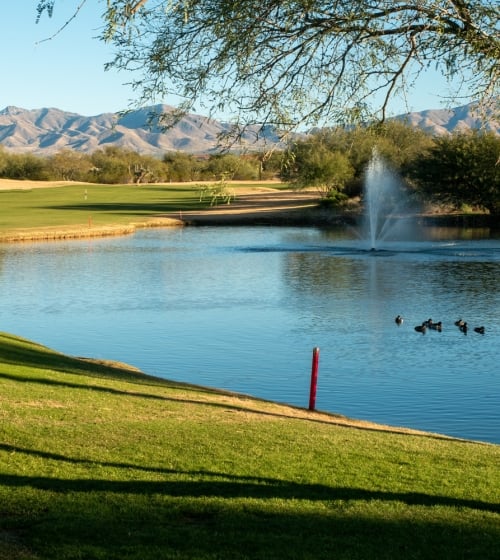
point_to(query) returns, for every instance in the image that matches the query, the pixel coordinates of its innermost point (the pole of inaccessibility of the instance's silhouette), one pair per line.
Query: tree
(313, 164)
(114, 165)
(148, 169)
(182, 167)
(462, 169)
(3, 160)
(397, 142)
(69, 165)
(231, 166)
(25, 166)
(300, 62)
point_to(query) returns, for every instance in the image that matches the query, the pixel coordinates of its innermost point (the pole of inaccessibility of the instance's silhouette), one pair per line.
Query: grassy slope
(99, 462)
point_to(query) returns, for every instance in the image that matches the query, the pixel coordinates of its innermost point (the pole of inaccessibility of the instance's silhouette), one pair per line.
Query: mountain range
(48, 130)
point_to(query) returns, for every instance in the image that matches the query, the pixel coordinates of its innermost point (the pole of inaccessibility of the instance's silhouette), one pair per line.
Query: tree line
(114, 165)
(462, 169)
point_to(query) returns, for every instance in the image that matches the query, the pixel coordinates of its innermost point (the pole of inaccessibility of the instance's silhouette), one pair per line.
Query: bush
(462, 169)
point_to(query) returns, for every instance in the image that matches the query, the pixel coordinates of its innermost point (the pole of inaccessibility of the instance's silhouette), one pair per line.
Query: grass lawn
(92, 205)
(98, 462)
(100, 204)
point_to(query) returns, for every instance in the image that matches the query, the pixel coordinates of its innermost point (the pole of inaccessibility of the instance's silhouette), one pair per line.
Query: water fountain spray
(386, 203)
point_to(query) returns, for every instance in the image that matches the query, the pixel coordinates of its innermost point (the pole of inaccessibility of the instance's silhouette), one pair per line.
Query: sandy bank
(83, 231)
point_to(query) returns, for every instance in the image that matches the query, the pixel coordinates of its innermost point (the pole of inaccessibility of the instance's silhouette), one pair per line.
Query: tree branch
(134, 8)
(78, 8)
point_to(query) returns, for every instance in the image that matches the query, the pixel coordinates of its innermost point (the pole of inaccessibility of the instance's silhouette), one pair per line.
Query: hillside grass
(98, 461)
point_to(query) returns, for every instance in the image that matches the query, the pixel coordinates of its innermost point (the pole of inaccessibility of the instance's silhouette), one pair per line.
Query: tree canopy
(462, 169)
(291, 63)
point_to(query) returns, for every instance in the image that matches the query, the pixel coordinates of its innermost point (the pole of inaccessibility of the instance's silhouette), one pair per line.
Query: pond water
(243, 308)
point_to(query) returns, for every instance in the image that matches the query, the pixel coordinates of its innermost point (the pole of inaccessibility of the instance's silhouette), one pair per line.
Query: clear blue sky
(67, 72)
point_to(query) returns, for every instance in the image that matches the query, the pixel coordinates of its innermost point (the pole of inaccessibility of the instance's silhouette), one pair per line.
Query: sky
(67, 72)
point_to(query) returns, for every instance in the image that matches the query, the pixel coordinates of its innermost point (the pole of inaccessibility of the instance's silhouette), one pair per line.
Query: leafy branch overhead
(292, 63)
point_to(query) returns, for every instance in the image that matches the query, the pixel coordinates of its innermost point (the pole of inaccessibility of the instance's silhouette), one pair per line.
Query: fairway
(42, 211)
(81, 205)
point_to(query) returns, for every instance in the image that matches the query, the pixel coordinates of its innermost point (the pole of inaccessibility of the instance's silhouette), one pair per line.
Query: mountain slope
(446, 121)
(47, 131)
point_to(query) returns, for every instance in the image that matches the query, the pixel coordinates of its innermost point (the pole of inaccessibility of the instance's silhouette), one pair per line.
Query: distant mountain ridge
(445, 121)
(48, 130)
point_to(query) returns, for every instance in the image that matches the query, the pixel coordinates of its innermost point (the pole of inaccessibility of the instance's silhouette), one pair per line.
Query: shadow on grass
(24, 353)
(198, 389)
(134, 208)
(218, 484)
(124, 393)
(19, 351)
(143, 380)
(212, 518)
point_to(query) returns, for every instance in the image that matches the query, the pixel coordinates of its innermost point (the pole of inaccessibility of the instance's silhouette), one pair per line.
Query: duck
(463, 327)
(399, 320)
(428, 323)
(479, 330)
(436, 326)
(421, 328)
(459, 323)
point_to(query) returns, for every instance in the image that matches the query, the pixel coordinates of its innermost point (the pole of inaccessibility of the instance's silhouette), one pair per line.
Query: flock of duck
(438, 326)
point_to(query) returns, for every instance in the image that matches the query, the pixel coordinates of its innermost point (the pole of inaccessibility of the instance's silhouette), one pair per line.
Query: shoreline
(306, 218)
(302, 216)
(83, 232)
(255, 206)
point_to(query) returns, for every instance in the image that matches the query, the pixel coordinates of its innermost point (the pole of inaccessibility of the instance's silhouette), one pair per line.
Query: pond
(242, 308)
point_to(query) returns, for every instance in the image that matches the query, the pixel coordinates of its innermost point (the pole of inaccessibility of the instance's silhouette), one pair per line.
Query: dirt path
(13, 184)
(253, 205)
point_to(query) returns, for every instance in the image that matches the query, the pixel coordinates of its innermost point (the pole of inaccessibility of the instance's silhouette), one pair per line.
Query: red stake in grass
(314, 379)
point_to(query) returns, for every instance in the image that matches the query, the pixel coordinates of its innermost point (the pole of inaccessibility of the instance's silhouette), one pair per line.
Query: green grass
(103, 463)
(103, 205)
(100, 205)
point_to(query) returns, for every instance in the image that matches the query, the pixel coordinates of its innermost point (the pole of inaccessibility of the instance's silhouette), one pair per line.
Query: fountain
(387, 208)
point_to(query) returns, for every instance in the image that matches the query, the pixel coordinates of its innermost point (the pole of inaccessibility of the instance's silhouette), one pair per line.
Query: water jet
(386, 205)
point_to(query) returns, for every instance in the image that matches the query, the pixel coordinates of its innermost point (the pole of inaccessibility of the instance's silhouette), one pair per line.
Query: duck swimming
(479, 330)
(421, 328)
(463, 327)
(399, 320)
(459, 323)
(436, 326)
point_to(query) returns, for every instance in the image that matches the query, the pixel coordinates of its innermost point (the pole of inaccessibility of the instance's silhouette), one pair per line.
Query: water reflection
(242, 308)
(455, 233)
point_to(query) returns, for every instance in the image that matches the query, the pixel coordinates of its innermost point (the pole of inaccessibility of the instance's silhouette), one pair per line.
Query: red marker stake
(314, 379)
